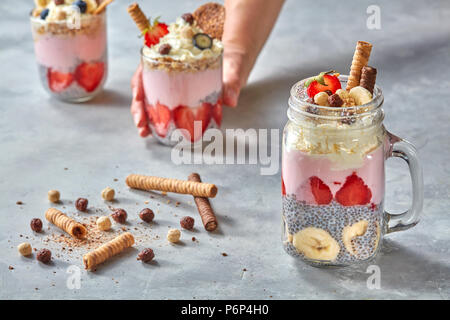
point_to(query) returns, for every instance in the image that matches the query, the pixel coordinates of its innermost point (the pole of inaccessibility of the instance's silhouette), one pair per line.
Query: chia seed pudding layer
(335, 219)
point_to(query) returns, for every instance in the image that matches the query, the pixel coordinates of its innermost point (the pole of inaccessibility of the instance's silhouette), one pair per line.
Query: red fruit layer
(58, 81)
(354, 192)
(160, 116)
(217, 112)
(321, 192)
(332, 83)
(90, 75)
(185, 117)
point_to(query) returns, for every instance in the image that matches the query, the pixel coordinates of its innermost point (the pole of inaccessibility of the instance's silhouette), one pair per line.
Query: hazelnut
(187, 32)
(188, 17)
(44, 255)
(103, 223)
(321, 99)
(146, 255)
(81, 204)
(108, 194)
(58, 2)
(187, 223)
(24, 249)
(36, 225)
(165, 48)
(147, 215)
(53, 196)
(119, 215)
(174, 235)
(335, 101)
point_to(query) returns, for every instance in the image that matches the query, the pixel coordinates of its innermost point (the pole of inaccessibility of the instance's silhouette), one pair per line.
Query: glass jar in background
(333, 181)
(72, 59)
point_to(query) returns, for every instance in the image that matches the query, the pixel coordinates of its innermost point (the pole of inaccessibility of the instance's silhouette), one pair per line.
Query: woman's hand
(138, 112)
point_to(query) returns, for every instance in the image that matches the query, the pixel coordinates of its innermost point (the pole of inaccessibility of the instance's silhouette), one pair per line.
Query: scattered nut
(24, 249)
(146, 255)
(119, 215)
(36, 224)
(187, 223)
(108, 194)
(321, 99)
(174, 235)
(44, 255)
(81, 204)
(147, 215)
(335, 101)
(53, 196)
(103, 223)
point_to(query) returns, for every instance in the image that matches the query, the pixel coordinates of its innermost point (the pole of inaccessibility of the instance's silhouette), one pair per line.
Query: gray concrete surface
(97, 143)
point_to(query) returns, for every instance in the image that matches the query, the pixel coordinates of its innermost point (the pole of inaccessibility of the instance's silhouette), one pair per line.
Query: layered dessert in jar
(70, 46)
(334, 149)
(182, 72)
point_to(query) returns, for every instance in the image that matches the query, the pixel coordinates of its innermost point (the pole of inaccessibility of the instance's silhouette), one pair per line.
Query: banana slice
(350, 232)
(41, 3)
(91, 6)
(360, 95)
(316, 244)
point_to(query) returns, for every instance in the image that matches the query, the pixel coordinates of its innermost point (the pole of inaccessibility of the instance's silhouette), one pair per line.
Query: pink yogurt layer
(173, 89)
(298, 167)
(64, 53)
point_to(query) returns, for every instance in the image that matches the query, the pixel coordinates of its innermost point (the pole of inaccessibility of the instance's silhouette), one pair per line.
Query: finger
(144, 131)
(139, 115)
(137, 85)
(230, 95)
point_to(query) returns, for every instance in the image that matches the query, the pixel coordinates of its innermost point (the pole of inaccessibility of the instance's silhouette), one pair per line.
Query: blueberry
(44, 14)
(82, 5)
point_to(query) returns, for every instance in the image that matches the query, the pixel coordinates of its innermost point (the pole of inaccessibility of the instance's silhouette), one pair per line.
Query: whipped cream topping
(182, 46)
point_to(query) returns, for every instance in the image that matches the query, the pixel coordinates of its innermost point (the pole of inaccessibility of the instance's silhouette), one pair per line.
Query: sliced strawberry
(354, 192)
(217, 112)
(185, 117)
(283, 188)
(332, 83)
(90, 75)
(155, 32)
(58, 81)
(320, 190)
(160, 117)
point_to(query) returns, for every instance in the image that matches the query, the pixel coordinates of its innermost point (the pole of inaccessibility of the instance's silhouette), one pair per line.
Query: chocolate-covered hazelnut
(335, 101)
(119, 215)
(44, 255)
(164, 48)
(146, 255)
(81, 204)
(187, 223)
(188, 17)
(36, 225)
(147, 215)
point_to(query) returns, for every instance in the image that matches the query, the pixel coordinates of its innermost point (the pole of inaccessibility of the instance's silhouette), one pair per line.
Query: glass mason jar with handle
(333, 181)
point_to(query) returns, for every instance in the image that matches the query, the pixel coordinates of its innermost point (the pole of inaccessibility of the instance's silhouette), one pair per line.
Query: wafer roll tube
(204, 207)
(102, 6)
(139, 17)
(108, 250)
(72, 227)
(148, 183)
(368, 78)
(360, 60)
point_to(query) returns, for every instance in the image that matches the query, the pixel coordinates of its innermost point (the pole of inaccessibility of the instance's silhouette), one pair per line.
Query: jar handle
(403, 149)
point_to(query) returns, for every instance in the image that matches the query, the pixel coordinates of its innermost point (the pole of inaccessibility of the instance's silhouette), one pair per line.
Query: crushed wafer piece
(360, 60)
(72, 227)
(210, 17)
(148, 183)
(108, 250)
